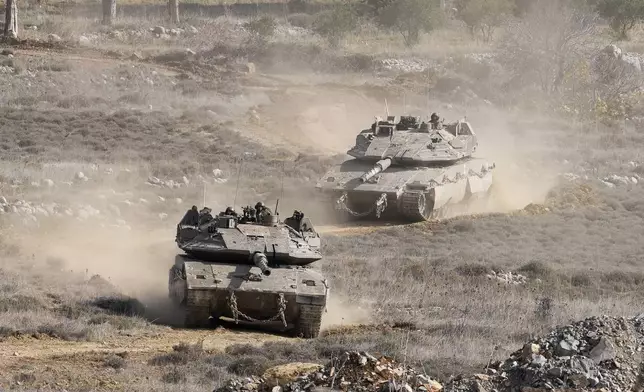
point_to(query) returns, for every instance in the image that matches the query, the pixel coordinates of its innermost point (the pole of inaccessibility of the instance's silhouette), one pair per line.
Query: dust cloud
(340, 312)
(317, 120)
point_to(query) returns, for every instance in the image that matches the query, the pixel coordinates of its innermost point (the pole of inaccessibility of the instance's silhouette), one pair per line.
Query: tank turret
(423, 168)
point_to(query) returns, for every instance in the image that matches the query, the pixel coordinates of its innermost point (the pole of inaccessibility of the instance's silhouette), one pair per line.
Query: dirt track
(16, 349)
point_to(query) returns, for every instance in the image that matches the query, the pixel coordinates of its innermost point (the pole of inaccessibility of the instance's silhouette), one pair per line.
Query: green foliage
(484, 15)
(336, 23)
(411, 17)
(260, 29)
(622, 14)
(373, 8)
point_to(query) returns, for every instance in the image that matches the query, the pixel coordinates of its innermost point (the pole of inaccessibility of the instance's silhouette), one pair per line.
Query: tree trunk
(11, 19)
(109, 11)
(173, 7)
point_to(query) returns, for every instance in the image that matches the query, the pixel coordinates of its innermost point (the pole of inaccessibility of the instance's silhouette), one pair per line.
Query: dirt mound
(353, 371)
(566, 196)
(593, 354)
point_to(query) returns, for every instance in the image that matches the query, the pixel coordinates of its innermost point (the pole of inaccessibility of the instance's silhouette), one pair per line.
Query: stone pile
(507, 277)
(598, 354)
(615, 180)
(353, 371)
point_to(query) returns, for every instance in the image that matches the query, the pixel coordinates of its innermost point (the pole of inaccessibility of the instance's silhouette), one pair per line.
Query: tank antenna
(282, 192)
(386, 108)
(241, 161)
(204, 193)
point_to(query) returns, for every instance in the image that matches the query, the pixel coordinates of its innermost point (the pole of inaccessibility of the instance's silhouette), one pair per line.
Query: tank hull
(409, 192)
(293, 296)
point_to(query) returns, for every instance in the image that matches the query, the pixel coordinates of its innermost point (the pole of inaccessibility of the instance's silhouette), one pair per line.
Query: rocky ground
(598, 353)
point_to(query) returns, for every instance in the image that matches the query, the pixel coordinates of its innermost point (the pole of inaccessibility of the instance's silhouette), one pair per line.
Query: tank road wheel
(417, 206)
(196, 317)
(309, 321)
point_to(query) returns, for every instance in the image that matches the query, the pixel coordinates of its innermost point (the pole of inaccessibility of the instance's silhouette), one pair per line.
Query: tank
(252, 268)
(408, 169)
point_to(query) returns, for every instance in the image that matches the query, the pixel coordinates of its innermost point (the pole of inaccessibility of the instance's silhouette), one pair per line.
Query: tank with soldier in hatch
(249, 267)
(405, 167)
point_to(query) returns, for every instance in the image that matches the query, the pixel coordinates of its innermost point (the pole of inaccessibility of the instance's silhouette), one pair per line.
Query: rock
(159, 30)
(84, 41)
(284, 374)
(565, 349)
(80, 176)
(178, 200)
(632, 60)
(185, 180)
(555, 372)
(248, 68)
(538, 360)
(48, 183)
(603, 351)
(217, 172)
(529, 349)
(54, 38)
(192, 30)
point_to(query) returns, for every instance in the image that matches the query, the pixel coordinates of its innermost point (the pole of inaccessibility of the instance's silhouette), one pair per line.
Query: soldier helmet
(434, 116)
(259, 205)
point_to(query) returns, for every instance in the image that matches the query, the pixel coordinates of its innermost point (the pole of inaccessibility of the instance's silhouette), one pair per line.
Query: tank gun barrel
(380, 166)
(261, 262)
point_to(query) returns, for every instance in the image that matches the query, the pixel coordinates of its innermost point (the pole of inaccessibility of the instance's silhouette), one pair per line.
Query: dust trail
(340, 312)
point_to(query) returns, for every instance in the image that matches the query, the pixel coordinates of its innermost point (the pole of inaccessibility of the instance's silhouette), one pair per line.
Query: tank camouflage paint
(407, 168)
(258, 272)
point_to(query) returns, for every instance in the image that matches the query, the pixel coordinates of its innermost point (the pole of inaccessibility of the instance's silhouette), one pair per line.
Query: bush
(336, 23)
(484, 15)
(304, 21)
(622, 14)
(411, 17)
(261, 29)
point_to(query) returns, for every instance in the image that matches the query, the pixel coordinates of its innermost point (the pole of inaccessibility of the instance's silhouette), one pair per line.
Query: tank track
(309, 321)
(414, 206)
(197, 317)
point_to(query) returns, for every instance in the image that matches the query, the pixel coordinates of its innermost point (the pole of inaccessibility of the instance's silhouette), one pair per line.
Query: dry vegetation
(89, 105)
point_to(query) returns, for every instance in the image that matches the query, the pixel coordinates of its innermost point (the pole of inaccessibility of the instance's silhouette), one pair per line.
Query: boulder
(284, 374)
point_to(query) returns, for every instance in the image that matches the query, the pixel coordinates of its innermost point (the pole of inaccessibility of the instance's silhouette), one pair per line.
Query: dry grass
(39, 298)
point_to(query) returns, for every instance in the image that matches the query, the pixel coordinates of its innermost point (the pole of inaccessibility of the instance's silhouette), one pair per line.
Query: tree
(411, 17)
(373, 8)
(336, 23)
(11, 19)
(173, 8)
(261, 29)
(484, 15)
(622, 14)
(548, 43)
(109, 11)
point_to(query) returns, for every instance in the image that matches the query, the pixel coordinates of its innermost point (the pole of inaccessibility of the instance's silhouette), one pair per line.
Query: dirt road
(17, 349)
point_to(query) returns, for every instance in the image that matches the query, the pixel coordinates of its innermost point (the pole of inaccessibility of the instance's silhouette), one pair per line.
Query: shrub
(336, 23)
(410, 18)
